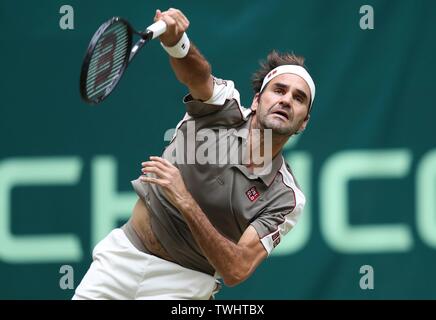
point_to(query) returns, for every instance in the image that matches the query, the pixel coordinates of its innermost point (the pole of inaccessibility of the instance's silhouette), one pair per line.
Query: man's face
(283, 106)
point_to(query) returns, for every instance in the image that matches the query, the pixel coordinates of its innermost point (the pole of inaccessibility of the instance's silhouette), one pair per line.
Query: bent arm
(235, 262)
(193, 70)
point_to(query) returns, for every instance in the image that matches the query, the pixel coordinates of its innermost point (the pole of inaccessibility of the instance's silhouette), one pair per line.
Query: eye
(279, 91)
(299, 99)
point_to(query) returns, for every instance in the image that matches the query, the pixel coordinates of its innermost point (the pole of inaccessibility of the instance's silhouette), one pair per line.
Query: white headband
(294, 69)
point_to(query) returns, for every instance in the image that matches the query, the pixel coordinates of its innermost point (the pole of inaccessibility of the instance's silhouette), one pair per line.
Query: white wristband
(180, 50)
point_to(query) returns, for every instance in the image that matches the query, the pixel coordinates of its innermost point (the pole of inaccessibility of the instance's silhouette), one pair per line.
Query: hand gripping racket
(109, 53)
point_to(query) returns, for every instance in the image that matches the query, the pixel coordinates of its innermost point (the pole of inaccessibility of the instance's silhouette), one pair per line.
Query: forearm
(224, 255)
(192, 70)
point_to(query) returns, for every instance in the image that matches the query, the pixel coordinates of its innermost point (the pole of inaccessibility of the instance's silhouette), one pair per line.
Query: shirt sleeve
(274, 224)
(223, 90)
(224, 94)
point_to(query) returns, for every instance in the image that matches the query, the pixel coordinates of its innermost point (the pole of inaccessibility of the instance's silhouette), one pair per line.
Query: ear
(304, 124)
(255, 102)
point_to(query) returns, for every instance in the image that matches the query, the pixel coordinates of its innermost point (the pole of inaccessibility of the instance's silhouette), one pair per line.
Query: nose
(285, 102)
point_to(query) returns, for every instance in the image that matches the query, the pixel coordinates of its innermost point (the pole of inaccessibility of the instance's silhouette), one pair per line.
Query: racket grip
(157, 28)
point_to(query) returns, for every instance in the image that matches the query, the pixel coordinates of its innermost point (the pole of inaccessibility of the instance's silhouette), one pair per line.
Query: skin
(283, 108)
(287, 94)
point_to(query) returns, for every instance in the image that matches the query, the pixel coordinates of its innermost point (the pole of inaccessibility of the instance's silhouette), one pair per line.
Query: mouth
(281, 114)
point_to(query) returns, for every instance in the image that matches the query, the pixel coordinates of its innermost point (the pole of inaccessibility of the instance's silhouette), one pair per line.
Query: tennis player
(196, 223)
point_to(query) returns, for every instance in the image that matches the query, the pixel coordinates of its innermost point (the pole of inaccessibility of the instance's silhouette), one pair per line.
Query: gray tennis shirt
(231, 197)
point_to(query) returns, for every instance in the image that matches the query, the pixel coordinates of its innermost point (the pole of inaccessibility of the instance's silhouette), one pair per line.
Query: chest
(229, 199)
(209, 167)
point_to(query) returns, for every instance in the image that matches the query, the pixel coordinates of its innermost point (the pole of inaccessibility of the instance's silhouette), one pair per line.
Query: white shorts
(120, 271)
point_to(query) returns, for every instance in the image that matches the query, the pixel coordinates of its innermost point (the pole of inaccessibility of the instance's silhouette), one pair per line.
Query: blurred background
(367, 161)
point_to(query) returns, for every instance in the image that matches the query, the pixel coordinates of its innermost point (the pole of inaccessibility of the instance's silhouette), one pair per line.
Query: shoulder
(288, 182)
(223, 90)
(224, 102)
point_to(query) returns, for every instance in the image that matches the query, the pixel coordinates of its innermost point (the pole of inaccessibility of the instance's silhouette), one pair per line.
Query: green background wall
(367, 161)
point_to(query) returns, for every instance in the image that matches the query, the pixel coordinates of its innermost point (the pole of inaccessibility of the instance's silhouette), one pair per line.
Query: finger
(186, 23)
(166, 11)
(180, 27)
(158, 15)
(158, 172)
(177, 16)
(184, 17)
(170, 22)
(180, 16)
(155, 164)
(174, 13)
(162, 160)
(153, 180)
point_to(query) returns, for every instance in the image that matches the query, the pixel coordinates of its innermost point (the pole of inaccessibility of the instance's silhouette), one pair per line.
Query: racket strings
(104, 54)
(120, 33)
(107, 71)
(107, 60)
(103, 62)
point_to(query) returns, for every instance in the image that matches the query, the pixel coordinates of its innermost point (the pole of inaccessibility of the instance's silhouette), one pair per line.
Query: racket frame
(130, 54)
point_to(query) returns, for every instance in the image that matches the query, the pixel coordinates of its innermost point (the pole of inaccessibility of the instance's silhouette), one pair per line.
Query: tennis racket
(108, 55)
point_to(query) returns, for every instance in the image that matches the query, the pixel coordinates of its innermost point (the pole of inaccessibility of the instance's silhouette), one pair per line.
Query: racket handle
(157, 28)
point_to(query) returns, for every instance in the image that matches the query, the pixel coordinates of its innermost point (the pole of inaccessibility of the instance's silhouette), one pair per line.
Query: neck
(277, 143)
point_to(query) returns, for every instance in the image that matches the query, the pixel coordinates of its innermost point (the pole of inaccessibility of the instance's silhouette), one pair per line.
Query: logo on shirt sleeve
(252, 194)
(276, 239)
(219, 81)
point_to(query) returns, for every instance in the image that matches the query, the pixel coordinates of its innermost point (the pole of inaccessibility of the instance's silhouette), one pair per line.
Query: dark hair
(273, 60)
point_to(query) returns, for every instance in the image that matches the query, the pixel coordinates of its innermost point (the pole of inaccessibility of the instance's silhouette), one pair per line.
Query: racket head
(105, 60)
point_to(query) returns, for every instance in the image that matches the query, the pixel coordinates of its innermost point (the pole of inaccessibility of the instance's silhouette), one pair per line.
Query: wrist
(185, 203)
(180, 49)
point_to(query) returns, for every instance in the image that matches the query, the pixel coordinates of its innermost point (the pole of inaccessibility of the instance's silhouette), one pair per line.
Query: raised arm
(193, 70)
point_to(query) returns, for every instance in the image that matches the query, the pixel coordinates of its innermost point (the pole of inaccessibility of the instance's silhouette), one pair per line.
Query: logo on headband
(273, 72)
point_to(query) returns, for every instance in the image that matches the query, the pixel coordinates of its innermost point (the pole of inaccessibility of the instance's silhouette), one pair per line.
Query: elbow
(234, 278)
(237, 270)
(231, 282)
